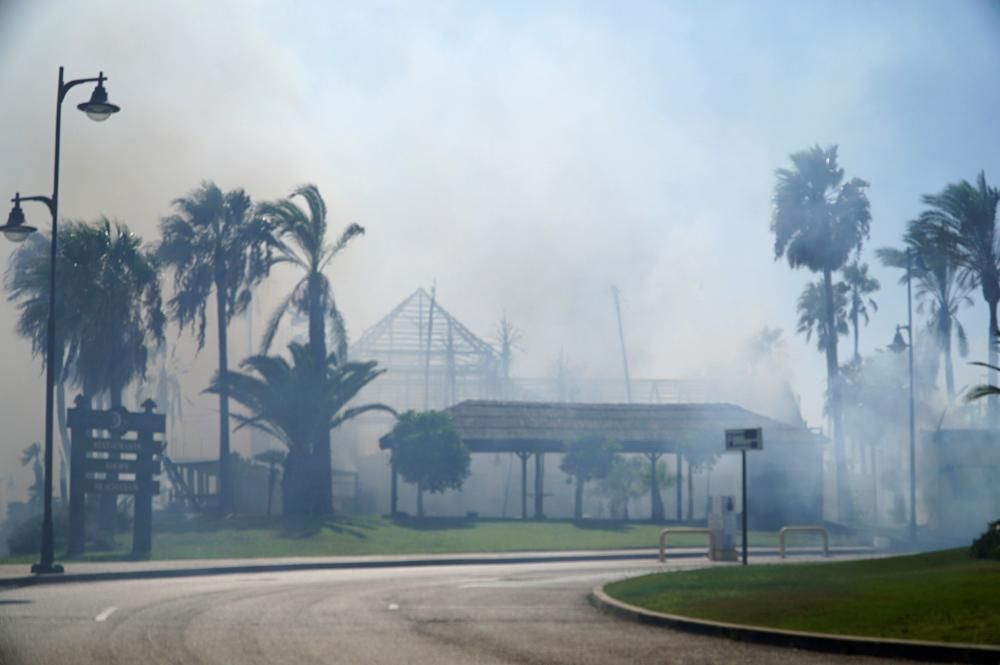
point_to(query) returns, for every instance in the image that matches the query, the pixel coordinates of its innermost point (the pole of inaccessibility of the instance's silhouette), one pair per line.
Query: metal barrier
(666, 532)
(804, 529)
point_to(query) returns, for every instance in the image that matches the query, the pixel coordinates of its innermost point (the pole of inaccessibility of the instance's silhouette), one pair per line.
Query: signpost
(743, 440)
(105, 461)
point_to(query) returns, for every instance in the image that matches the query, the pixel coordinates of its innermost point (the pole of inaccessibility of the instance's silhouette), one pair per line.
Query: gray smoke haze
(525, 156)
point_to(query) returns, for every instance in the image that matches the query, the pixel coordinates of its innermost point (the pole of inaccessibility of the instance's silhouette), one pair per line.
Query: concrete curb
(839, 644)
(457, 560)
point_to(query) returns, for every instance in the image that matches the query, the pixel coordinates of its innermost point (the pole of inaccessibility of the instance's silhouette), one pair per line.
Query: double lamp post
(98, 109)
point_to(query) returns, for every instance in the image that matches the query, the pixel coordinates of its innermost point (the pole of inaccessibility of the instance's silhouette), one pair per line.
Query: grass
(347, 536)
(943, 596)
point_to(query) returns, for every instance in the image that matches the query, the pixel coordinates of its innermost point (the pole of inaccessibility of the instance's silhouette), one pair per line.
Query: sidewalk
(12, 575)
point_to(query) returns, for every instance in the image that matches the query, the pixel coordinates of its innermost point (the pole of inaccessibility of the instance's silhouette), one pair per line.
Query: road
(531, 613)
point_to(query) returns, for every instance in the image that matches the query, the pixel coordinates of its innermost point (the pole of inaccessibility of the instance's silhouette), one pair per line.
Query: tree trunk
(294, 483)
(64, 438)
(225, 475)
(833, 389)
(854, 321)
(949, 372)
(272, 476)
(991, 402)
(420, 500)
(317, 343)
(578, 500)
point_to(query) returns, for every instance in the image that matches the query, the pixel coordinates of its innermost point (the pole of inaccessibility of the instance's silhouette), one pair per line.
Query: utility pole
(621, 338)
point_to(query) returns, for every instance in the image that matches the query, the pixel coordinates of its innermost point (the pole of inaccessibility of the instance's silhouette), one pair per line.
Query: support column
(680, 487)
(539, 485)
(656, 502)
(393, 490)
(524, 483)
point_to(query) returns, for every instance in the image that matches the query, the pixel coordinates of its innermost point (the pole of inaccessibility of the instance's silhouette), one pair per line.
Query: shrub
(987, 546)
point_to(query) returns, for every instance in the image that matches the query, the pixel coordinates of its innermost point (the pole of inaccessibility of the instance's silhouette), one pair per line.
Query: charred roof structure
(433, 360)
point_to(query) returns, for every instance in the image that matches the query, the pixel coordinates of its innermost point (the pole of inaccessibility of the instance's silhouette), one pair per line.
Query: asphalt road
(534, 613)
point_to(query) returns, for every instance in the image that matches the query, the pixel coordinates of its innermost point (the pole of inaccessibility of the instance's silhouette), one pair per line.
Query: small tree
(273, 459)
(427, 451)
(622, 484)
(588, 458)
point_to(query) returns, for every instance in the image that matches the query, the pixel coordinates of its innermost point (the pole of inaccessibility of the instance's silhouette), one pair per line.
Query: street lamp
(898, 346)
(97, 109)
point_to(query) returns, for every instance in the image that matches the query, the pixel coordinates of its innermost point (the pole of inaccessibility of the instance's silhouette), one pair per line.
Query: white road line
(393, 607)
(103, 616)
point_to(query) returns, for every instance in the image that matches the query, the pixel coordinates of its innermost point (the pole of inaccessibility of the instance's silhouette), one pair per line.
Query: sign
(744, 439)
(116, 486)
(105, 460)
(92, 465)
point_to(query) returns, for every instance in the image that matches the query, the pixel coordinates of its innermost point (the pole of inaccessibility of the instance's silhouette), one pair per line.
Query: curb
(839, 644)
(166, 573)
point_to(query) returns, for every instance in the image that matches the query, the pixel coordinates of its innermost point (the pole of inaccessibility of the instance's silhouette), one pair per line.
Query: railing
(670, 530)
(804, 529)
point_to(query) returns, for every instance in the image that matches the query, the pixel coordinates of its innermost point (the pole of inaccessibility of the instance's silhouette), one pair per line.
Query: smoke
(526, 157)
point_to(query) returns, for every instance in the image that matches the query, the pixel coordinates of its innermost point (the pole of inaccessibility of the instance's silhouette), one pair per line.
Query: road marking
(393, 607)
(103, 616)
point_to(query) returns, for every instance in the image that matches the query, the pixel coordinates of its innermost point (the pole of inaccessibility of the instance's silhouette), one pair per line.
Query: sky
(523, 156)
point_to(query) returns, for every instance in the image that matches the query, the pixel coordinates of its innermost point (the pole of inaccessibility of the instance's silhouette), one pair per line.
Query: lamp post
(98, 109)
(898, 345)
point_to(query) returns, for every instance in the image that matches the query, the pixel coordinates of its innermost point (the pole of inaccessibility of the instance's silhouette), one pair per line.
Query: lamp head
(99, 108)
(15, 229)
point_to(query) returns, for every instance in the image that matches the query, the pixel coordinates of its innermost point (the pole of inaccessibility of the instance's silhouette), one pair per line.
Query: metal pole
(45, 564)
(743, 454)
(913, 446)
(621, 338)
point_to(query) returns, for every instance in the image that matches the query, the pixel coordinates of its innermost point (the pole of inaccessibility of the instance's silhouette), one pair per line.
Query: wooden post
(523, 456)
(656, 503)
(393, 490)
(539, 485)
(77, 497)
(680, 486)
(142, 521)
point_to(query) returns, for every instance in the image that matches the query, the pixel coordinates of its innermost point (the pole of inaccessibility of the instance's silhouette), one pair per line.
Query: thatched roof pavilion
(534, 428)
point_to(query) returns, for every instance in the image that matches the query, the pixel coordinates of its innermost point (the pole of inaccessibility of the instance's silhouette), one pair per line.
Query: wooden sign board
(96, 486)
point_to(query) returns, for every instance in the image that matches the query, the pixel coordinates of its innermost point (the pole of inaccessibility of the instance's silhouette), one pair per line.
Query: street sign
(744, 439)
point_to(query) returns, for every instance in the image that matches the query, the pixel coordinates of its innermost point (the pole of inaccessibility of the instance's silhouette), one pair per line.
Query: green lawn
(263, 537)
(946, 596)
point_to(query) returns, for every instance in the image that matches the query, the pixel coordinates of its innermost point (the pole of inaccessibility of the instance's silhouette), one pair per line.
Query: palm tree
(293, 403)
(812, 313)
(962, 219)
(214, 243)
(818, 220)
(273, 459)
(33, 455)
(860, 286)
(303, 244)
(108, 310)
(937, 281)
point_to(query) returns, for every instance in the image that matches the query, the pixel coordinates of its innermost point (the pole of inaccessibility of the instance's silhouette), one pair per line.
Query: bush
(26, 537)
(987, 546)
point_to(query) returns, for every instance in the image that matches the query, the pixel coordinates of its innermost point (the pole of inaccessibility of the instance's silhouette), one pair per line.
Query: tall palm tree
(963, 220)
(292, 402)
(817, 221)
(937, 285)
(860, 286)
(303, 244)
(215, 245)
